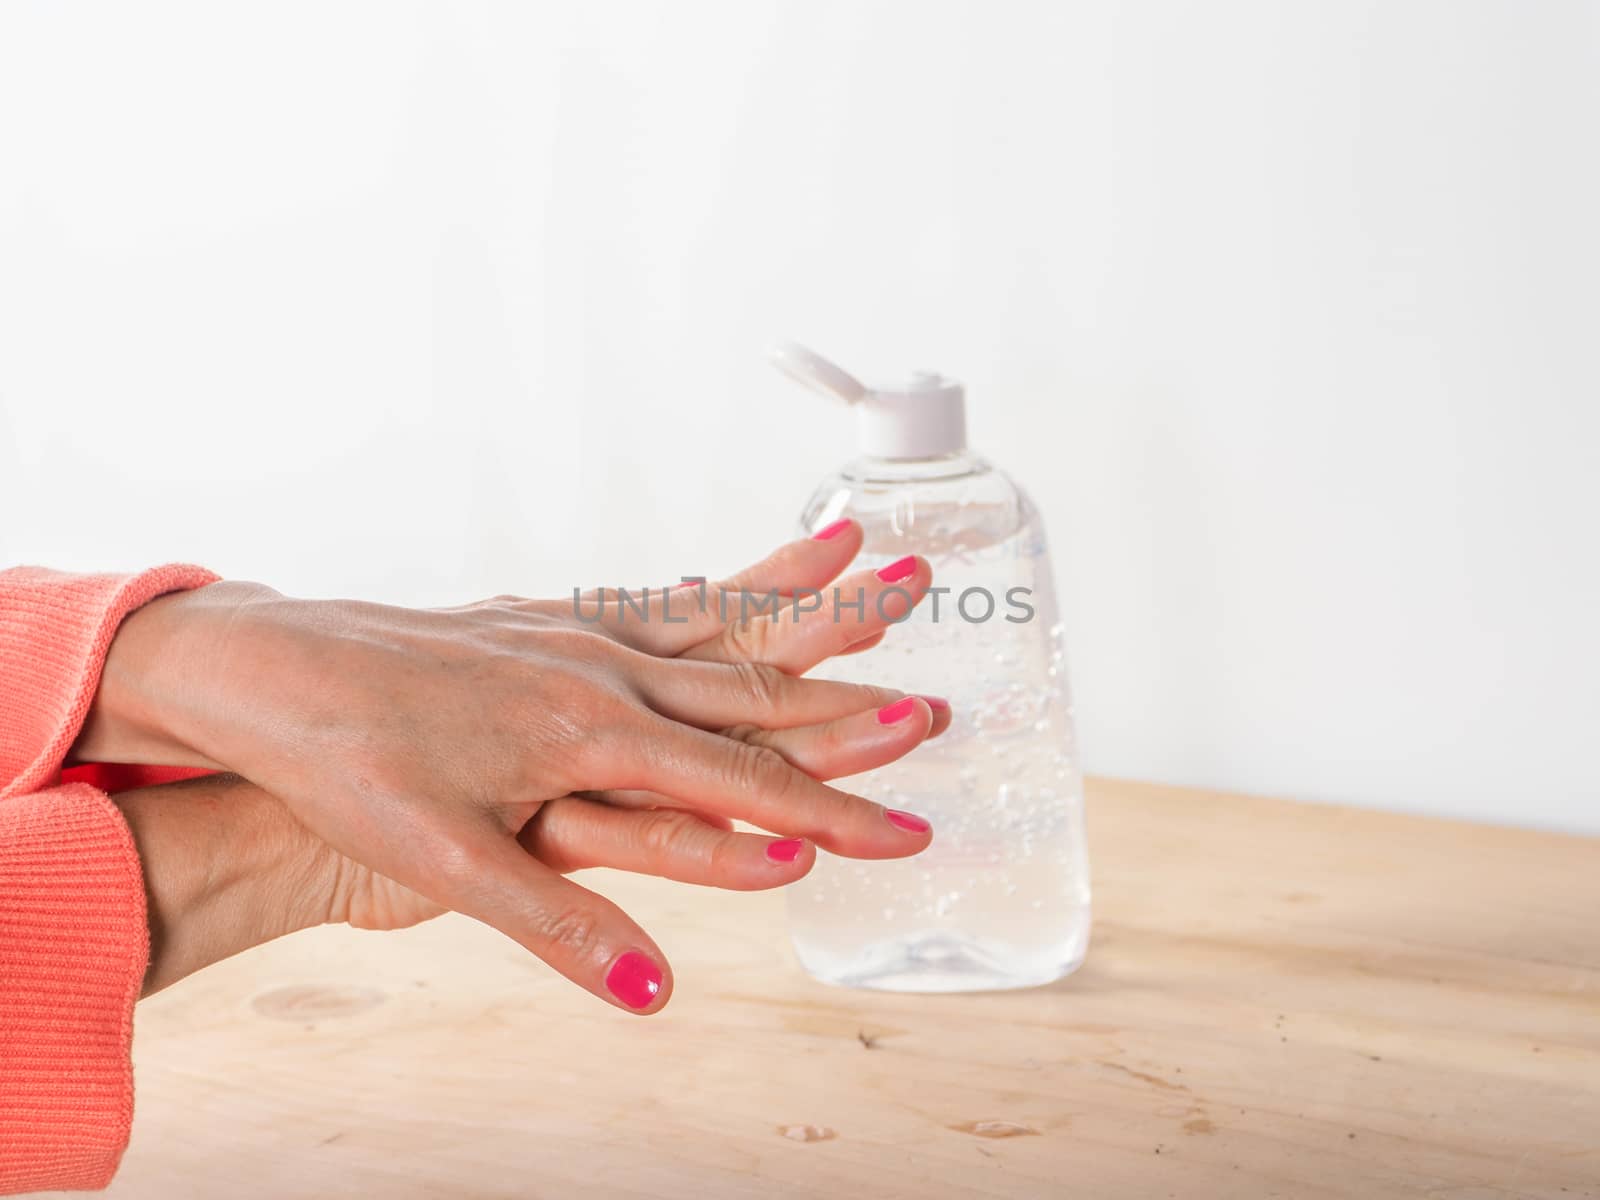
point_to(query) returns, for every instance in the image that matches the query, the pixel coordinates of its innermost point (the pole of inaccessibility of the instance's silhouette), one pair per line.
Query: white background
(1285, 313)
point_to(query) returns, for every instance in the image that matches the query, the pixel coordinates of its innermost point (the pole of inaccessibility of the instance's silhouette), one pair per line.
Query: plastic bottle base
(939, 962)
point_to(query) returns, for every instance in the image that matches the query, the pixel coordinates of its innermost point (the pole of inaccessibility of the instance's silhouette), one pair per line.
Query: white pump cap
(923, 417)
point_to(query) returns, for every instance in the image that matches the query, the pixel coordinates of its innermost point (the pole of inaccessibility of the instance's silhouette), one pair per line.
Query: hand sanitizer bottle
(1001, 897)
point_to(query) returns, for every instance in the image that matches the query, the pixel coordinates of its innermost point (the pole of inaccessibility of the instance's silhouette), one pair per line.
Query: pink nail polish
(785, 851)
(634, 980)
(910, 822)
(937, 703)
(898, 711)
(901, 568)
(831, 531)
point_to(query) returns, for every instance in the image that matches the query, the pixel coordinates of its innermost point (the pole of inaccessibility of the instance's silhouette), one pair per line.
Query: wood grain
(1281, 1000)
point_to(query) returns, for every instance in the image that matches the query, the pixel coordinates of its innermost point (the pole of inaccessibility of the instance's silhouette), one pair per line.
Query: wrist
(226, 867)
(160, 678)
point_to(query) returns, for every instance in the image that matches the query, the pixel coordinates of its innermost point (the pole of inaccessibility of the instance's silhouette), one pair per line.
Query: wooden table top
(1280, 1000)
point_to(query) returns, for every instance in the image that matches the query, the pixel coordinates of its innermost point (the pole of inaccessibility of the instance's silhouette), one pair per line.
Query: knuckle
(761, 770)
(751, 734)
(871, 696)
(749, 640)
(580, 644)
(462, 863)
(722, 858)
(762, 686)
(602, 703)
(833, 737)
(580, 730)
(664, 833)
(571, 930)
(830, 810)
(594, 727)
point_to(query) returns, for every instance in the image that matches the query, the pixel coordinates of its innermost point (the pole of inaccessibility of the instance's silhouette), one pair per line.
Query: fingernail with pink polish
(785, 851)
(634, 980)
(910, 822)
(901, 568)
(898, 711)
(937, 703)
(831, 531)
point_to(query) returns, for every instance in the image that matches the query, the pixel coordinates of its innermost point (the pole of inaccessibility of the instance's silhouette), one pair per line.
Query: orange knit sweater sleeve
(73, 938)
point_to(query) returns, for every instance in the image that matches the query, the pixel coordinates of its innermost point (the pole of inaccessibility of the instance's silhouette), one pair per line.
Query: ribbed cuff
(74, 946)
(55, 630)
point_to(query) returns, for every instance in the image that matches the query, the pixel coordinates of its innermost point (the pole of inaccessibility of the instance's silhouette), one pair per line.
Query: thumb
(578, 932)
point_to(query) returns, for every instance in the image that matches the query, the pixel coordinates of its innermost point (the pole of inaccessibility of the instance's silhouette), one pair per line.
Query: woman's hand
(227, 867)
(424, 744)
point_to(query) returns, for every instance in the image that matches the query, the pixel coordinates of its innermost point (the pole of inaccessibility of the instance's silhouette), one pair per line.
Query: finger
(851, 744)
(829, 750)
(809, 562)
(571, 834)
(671, 619)
(643, 798)
(864, 644)
(754, 783)
(708, 818)
(824, 623)
(714, 695)
(584, 936)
